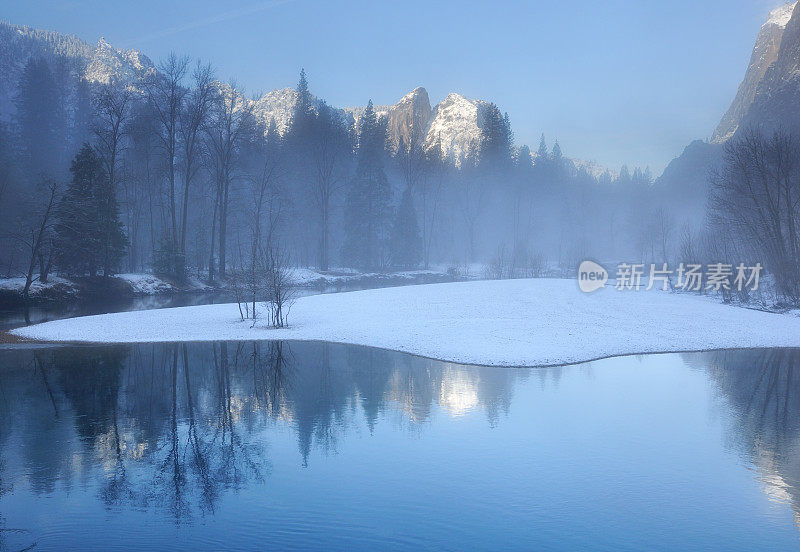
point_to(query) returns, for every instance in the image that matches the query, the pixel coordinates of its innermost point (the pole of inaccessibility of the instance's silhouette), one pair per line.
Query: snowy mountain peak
(781, 15)
(456, 125)
(278, 105)
(107, 62)
(765, 52)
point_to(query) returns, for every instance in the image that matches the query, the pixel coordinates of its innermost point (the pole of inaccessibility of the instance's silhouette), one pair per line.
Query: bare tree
(756, 196)
(230, 124)
(192, 120)
(112, 108)
(329, 151)
(269, 207)
(472, 203)
(280, 286)
(429, 191)
(34, 235)
(166, 95)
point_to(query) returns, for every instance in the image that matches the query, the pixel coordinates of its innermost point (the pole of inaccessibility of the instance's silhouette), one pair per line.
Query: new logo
(591, 276)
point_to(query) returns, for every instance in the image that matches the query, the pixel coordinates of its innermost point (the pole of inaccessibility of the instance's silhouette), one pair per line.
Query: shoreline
(489, 323)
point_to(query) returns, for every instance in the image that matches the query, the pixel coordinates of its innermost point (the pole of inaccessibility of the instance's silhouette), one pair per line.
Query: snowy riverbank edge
(503, 323)
(63, 290)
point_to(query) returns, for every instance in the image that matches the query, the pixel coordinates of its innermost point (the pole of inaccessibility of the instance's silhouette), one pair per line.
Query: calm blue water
(252, 446)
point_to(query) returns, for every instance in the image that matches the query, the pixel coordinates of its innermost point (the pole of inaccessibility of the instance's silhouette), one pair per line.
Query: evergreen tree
(524, 161)
(82, 120)
(303, 114)
(406, 242)
(367, 202)
(37, 103)
(556, 155)
(624, 177)
(542, 151)
(89, 234)
(496, 137)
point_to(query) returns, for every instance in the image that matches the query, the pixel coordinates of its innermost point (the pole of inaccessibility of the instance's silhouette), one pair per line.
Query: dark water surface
(252, 446)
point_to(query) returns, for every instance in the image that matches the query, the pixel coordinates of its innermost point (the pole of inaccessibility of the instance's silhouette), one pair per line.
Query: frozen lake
(296, 445)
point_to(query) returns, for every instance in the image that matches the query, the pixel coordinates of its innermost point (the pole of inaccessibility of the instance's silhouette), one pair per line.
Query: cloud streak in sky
(210, 20)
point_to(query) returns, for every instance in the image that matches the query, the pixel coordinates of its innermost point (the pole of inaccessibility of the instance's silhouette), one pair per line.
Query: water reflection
(762, 389)
(179, 429)
(172, 425)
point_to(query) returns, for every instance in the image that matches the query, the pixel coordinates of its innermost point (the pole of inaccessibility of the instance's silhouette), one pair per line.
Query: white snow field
(510, 323)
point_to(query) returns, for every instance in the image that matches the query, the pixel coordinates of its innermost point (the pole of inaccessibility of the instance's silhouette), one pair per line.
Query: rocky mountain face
(768, 98)
(764, 54)
(454, 124)
(125, 65)
(66, 54)
(776, 103)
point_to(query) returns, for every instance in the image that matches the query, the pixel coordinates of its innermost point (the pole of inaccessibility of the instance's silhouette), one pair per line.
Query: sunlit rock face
(765, 52)
(456, 127)
(767, 98)
(409, 118)
(454, 123)
(776, 104)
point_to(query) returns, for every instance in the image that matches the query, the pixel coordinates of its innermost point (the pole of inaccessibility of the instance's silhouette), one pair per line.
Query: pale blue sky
(616, 81)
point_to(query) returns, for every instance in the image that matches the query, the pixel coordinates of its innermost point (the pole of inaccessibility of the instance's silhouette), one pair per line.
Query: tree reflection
(176, 426)
(763, 389)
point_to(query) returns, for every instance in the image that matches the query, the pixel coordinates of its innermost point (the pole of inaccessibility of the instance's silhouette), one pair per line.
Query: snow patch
(781, 15)
(146, 284)
(508, 322)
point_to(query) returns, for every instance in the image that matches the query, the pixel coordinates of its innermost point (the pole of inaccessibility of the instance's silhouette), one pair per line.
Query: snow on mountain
(66, 54)
(765, 52)
(454, 121)
(781, 15)
(125, 65)
(277, 105)
(354, 113)
(455, 124)
(411, 114)
(592, 168)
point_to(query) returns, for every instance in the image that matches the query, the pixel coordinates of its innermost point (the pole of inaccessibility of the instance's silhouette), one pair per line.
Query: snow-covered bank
(509, 322)
(59, 290)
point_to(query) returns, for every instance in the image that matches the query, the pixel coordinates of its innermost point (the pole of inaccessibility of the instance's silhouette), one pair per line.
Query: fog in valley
(111, 163)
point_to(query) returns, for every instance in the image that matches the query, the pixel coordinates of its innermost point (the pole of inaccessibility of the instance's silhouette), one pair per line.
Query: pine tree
(556, 155)
(542, 151)
(406, 242)
(524, 162)
(496, 137)
(82, 120)
(89, 234)
(624, 177)
(37, 103)
(367, 202)
(303, 112)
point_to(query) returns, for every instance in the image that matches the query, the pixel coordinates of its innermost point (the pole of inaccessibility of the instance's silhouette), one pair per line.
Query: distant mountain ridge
(454, 123)
(18, 44)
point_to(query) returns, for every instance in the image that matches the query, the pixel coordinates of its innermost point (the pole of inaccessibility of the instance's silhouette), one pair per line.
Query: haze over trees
(191, 180)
